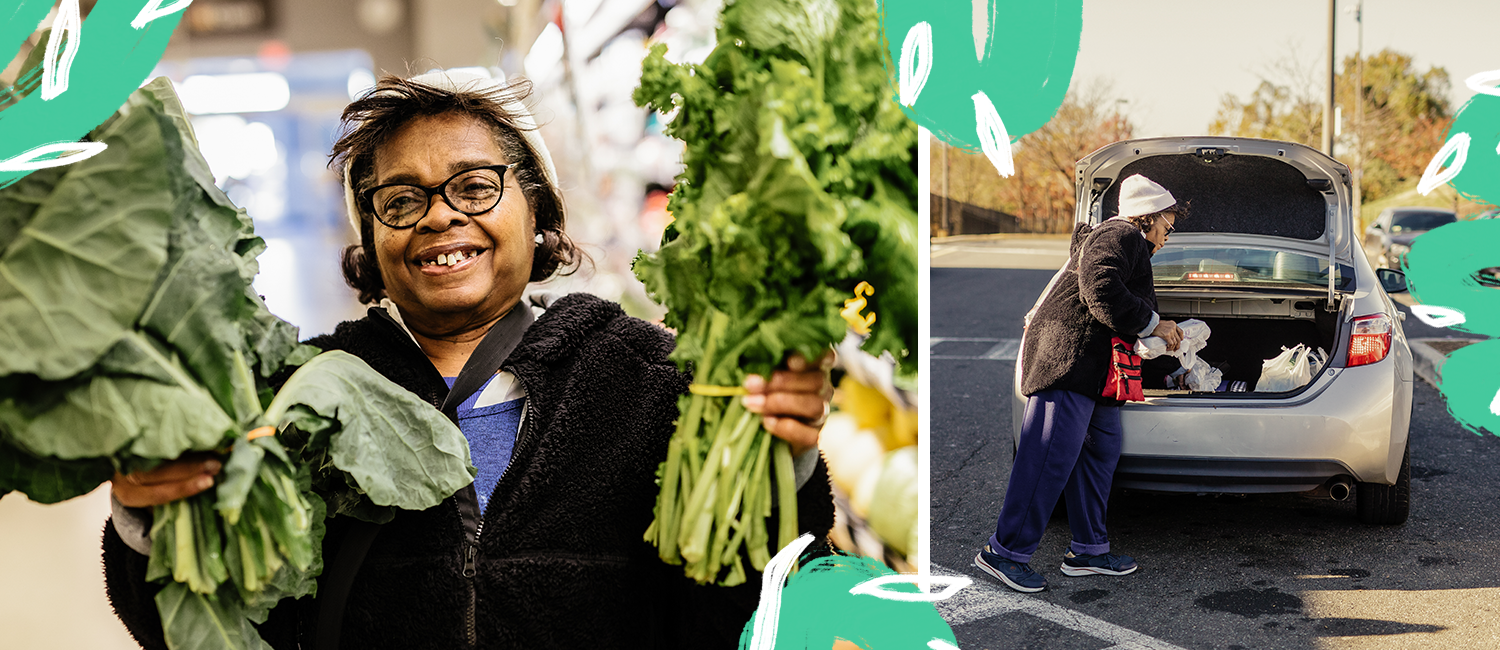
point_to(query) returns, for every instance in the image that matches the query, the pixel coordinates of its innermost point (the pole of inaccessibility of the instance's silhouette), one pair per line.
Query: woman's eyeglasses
(471, 192)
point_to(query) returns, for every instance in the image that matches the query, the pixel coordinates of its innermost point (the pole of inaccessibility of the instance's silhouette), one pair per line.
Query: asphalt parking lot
(1275, 571)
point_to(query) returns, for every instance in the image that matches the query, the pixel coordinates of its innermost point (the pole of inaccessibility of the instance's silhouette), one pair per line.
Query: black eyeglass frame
(367, 197)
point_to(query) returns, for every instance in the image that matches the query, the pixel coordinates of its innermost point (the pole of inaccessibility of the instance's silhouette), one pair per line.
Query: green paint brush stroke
(1480, 178)
(1028, 63)
(817, 608)
(1469, 383)
(1442, 270)
(21, 18)
(113, 59)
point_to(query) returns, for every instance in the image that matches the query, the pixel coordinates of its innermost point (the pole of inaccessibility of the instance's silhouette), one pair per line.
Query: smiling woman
(567, 405)
(423, 129)
(487, 243)
(486, 257)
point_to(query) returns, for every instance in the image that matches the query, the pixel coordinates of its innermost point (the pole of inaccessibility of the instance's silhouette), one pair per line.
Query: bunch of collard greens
(799, 183)
(130, 335)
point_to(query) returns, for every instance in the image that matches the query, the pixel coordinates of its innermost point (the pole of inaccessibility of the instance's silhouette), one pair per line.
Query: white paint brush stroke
(768, 615)
(154, 10)
(916, 62)
(1431, 179)
(993, 138)
(1484, 83)
(981, 27)
(875, 587)
(27, 160)
(56, 65)
(1435, 316)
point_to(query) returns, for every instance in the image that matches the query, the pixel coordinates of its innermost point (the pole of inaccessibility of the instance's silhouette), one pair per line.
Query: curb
(1001, 236)
(1427, 361)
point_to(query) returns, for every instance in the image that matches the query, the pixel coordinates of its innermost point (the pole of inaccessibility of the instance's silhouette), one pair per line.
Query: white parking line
(983, 600)
(1003, 350)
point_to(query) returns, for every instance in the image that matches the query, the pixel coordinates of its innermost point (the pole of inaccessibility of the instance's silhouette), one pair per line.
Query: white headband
(468, 79)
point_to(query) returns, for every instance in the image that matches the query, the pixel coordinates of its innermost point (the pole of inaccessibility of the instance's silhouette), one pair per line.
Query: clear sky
(1172, 60)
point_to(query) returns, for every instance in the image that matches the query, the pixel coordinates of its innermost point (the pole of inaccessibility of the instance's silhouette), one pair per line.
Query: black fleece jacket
(561, 561)
(1106, 291)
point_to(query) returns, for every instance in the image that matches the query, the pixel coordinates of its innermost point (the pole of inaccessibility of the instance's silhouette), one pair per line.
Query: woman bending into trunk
(1070, 434)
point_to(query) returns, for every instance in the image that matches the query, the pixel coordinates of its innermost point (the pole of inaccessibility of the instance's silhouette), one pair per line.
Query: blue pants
(1069, 446)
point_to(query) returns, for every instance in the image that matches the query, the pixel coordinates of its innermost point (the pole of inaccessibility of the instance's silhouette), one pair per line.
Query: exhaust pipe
(1340, 489)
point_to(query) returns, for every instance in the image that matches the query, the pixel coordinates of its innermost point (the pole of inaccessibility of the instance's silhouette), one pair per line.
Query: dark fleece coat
(1105, 291)
(561, 561)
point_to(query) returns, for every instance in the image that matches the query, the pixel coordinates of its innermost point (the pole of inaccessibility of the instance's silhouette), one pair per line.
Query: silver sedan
(1269, 258)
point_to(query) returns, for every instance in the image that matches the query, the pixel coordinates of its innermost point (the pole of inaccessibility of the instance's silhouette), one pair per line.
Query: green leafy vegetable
(798, 185)
(130, 334)
(77, 272)
(49, 480)
(373, 434)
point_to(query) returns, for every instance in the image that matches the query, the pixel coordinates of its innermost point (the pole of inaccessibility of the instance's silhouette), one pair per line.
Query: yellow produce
(903, 429)
(869, 406)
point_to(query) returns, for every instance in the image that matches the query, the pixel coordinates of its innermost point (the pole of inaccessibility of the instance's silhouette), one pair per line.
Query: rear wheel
(1386, 504)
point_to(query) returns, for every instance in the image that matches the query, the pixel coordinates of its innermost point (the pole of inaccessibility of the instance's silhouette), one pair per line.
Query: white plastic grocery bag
(1201, 376)
(1287, 371)
(1194, 338)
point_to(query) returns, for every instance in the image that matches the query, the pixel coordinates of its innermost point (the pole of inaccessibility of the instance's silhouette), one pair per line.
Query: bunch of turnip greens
(130, 335)
(799, 183)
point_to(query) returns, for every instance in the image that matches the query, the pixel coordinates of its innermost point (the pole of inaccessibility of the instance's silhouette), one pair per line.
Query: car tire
(1386, 505)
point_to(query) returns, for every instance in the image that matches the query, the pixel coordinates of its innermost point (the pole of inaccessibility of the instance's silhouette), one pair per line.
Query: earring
(540, 239)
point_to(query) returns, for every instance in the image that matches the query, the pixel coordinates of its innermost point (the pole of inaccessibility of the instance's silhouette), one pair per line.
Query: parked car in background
(1269, 258)
(1388, 240)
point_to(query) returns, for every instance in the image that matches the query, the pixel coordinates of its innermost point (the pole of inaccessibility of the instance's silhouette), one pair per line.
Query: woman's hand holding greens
(168, 482)
(794, 404)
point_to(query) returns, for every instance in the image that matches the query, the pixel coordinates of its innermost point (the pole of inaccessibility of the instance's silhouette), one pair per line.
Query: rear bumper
(1350, 421)
(1342, 425)
(1238, 476)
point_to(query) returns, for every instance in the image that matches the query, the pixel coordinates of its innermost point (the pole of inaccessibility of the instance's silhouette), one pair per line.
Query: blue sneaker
(1016, 575)
(1107, 564)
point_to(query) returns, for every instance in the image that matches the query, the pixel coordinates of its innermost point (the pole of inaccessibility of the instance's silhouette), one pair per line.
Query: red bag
(1124, 380)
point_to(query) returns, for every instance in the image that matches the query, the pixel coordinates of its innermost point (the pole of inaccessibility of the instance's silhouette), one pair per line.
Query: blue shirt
(490, 420)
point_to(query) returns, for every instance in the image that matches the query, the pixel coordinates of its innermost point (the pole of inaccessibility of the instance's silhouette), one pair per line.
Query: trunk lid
(1241, 193)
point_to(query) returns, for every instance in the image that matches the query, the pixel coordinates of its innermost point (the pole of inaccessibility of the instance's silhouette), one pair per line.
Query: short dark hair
(370, 121)
(1145, 221)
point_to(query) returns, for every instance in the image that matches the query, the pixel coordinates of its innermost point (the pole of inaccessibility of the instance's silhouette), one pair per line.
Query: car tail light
(1371, 340)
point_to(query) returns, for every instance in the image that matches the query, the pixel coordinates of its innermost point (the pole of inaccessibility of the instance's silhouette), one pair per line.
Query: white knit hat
(469, 79)
(1141, 196)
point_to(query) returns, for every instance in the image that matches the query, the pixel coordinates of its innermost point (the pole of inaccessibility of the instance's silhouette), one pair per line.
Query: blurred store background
(266, 80)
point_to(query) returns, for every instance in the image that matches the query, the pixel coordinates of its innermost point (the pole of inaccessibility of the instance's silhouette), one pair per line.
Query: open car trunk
(1245, 332)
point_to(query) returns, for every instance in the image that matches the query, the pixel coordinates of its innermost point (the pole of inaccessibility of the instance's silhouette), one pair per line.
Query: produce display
(799, 185)
(130, 335)
(870, 443)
